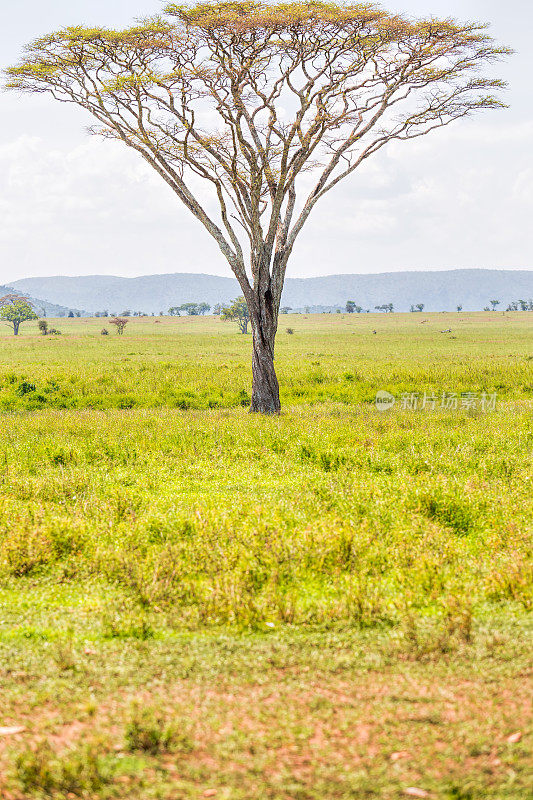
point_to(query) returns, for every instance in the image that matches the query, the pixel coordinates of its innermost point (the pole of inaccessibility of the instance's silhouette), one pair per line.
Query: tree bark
(263, 317)
(265, 387)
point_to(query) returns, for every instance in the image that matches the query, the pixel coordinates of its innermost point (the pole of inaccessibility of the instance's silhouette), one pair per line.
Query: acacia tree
(238, 311)
(272, 105)
(120, 323)
(14, 310)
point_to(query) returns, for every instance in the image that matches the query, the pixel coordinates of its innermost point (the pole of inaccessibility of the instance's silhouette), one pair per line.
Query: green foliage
(238, 311)
(14, 311)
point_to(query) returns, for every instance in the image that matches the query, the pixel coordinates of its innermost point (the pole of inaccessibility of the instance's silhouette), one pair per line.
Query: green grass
(333, 603)
(203, 363)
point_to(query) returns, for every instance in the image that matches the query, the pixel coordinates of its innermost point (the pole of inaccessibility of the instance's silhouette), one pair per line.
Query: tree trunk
(16, 326)
(265, 387)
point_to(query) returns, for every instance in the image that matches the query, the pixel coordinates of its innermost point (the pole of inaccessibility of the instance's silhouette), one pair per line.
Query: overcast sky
(71, 204)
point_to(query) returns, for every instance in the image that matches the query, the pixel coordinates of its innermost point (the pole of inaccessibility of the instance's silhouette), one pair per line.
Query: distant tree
(285, 310)
(387, 308)
(523, 305)
(494, 303)
(120, 322)
(43, 327)
(126, 313)
(194, 309)
(419, 307)
(217, 309)
(174, 311)
(238, 311)
(78, 313)
(459, 308)
(14, 310)
(71, 314)
(191, 309)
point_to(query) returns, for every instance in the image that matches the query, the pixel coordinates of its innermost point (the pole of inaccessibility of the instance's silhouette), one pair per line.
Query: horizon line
(288, 277)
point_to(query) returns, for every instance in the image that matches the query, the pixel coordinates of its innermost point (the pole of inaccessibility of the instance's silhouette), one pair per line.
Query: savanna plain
(332, 603)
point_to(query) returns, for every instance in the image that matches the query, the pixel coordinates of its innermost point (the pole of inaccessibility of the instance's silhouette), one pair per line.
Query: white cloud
(74, 205)
(447, 200)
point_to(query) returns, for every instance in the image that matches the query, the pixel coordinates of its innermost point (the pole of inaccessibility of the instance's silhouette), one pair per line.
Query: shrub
(75, 772)
(148, 732)
(25, 387)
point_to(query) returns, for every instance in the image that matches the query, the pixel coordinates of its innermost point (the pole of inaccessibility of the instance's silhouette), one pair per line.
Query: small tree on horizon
(494, 303)
(120, 323)
(194, 309)
(14, 310)
(238, 311)
(251, 98)
(351, 307)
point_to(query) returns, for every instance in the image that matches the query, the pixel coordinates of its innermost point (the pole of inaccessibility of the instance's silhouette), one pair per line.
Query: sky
(71, 204)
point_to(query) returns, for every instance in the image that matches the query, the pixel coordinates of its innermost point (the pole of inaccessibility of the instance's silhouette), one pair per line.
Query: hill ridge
(438, 290)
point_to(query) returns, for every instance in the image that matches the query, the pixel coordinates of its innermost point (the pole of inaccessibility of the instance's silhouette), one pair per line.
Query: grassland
(330, 604)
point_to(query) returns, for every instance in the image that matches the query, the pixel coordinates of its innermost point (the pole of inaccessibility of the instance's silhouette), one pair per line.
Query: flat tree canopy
(272, 105)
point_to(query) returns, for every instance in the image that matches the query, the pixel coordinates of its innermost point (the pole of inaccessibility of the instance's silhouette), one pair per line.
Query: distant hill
(43, 308)
(438, 290)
